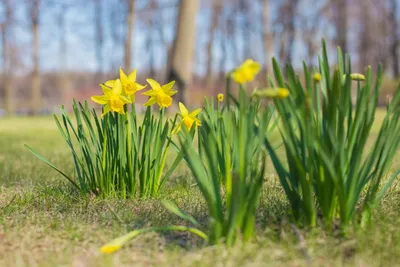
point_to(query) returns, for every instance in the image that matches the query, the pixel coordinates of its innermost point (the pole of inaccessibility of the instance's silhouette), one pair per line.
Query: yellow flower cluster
(121, 91)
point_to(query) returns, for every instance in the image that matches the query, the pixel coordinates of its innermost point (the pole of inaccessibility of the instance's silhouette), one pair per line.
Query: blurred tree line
(53, 50)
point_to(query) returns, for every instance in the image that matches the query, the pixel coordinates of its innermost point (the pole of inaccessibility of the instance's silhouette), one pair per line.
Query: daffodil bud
(317, 77)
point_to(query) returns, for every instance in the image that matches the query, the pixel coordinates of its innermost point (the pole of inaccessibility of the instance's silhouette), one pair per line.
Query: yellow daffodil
(187, 118)
(160, 94)
(108, 249)
(117, 243)
(317, 77)
(272, 93)
(220, 97)
(246, 72)
(129, 84)
(112, 98)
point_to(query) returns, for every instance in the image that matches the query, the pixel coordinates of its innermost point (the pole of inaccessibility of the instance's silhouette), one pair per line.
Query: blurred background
(52, 51)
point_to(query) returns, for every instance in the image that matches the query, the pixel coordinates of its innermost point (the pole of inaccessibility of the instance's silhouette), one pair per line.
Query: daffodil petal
(198, 122)
(110, 83)
(102, 100)
(117, 88)
(155, 85)
(150, 93)
(140, 87)
(106, 109)
(183, 109)
(167, 87)
(132, 76)
(171, 92)
(123, 77)
(238, 77)
(106, 91)
(195, 112)
(150, 102)
(125, 99)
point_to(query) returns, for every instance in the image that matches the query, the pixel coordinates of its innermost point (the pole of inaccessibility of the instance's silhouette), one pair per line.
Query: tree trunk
(216, 9)
(341, 18)
(63, 79)
(129, 32)
(366, 40)
(267, 35)
(181, 62)
(291, 30)
(98, 23)
(36, 92)
(395, 43)
(7, 74)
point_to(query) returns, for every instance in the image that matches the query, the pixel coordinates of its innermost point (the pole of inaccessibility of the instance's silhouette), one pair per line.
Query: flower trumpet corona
(220, 97)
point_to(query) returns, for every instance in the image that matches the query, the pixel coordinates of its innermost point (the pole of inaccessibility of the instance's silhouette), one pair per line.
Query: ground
(43, 222)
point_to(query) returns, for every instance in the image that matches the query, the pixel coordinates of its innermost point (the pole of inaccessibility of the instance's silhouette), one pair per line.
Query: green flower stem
(129, 150)
(104, 154)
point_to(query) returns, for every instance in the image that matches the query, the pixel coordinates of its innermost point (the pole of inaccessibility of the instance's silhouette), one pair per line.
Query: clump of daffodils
(122, 91)
(119, 92)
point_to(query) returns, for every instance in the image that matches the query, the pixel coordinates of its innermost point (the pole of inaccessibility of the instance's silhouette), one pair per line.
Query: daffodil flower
(187, 118)
(246, 72)
(160, 94)
(220, 97)
(129, 84)
(112, 99)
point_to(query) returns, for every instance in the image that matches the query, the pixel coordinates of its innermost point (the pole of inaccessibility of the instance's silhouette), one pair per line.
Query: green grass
(44, 223)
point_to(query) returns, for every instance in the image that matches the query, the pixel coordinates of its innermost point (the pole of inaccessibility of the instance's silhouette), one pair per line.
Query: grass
(44, 223)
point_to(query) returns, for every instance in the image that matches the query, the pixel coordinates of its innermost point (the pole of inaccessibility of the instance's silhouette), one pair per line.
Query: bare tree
(267, 34)
(216, 9)
(181, 62)
(5, 26)
(129, 32)
(63, 76)
(34, 7)
(395, 38)
(288, 12)
(99, 37)
(340, 18)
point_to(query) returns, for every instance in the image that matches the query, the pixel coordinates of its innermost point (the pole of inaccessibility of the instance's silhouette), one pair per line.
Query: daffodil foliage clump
(118, 154)
(331, 173)
(228, 163)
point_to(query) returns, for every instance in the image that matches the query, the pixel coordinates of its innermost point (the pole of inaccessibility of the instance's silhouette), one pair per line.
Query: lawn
(43, 222)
